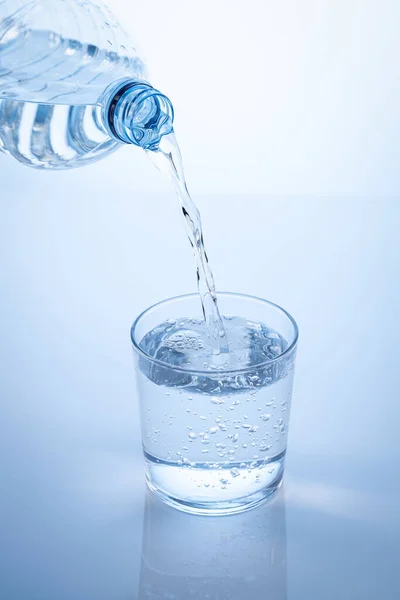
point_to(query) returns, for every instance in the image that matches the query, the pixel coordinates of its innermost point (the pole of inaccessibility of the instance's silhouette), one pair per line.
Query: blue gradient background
(298, 183)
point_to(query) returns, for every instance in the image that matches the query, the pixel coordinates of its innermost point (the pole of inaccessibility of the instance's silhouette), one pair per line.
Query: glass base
(218, 508)
(214, 488)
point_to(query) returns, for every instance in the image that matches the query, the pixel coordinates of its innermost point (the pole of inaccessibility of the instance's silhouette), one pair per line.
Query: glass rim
(209, 373)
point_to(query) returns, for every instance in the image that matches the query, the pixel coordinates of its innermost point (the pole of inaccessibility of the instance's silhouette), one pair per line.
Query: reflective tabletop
(315, 539)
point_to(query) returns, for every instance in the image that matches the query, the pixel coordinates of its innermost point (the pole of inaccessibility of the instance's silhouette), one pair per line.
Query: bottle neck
(136, 113)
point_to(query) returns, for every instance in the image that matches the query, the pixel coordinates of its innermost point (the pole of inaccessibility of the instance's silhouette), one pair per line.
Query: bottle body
(61, 61)
(50, 136)
(63, 51)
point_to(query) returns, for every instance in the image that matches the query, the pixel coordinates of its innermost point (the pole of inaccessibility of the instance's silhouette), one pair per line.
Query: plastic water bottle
(72, 86)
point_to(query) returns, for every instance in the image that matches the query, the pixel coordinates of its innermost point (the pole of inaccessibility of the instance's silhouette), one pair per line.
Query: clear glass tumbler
(215, 441)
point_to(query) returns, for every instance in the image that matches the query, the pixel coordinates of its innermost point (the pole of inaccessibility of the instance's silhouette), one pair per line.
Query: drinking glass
(215, 441)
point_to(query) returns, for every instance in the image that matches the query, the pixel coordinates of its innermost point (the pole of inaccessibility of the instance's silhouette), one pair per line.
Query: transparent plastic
(63, 63)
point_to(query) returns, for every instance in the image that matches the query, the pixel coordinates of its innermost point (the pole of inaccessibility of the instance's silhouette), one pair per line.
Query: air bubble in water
(192, 435)
(275, 350)
(213, 430)
(217, 400)
(235, 472)
(264, 447)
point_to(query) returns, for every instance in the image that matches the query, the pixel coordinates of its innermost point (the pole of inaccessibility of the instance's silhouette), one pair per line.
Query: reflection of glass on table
(240, 557)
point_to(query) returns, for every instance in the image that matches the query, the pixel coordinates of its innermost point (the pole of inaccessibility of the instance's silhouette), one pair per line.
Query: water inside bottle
(50, 92)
